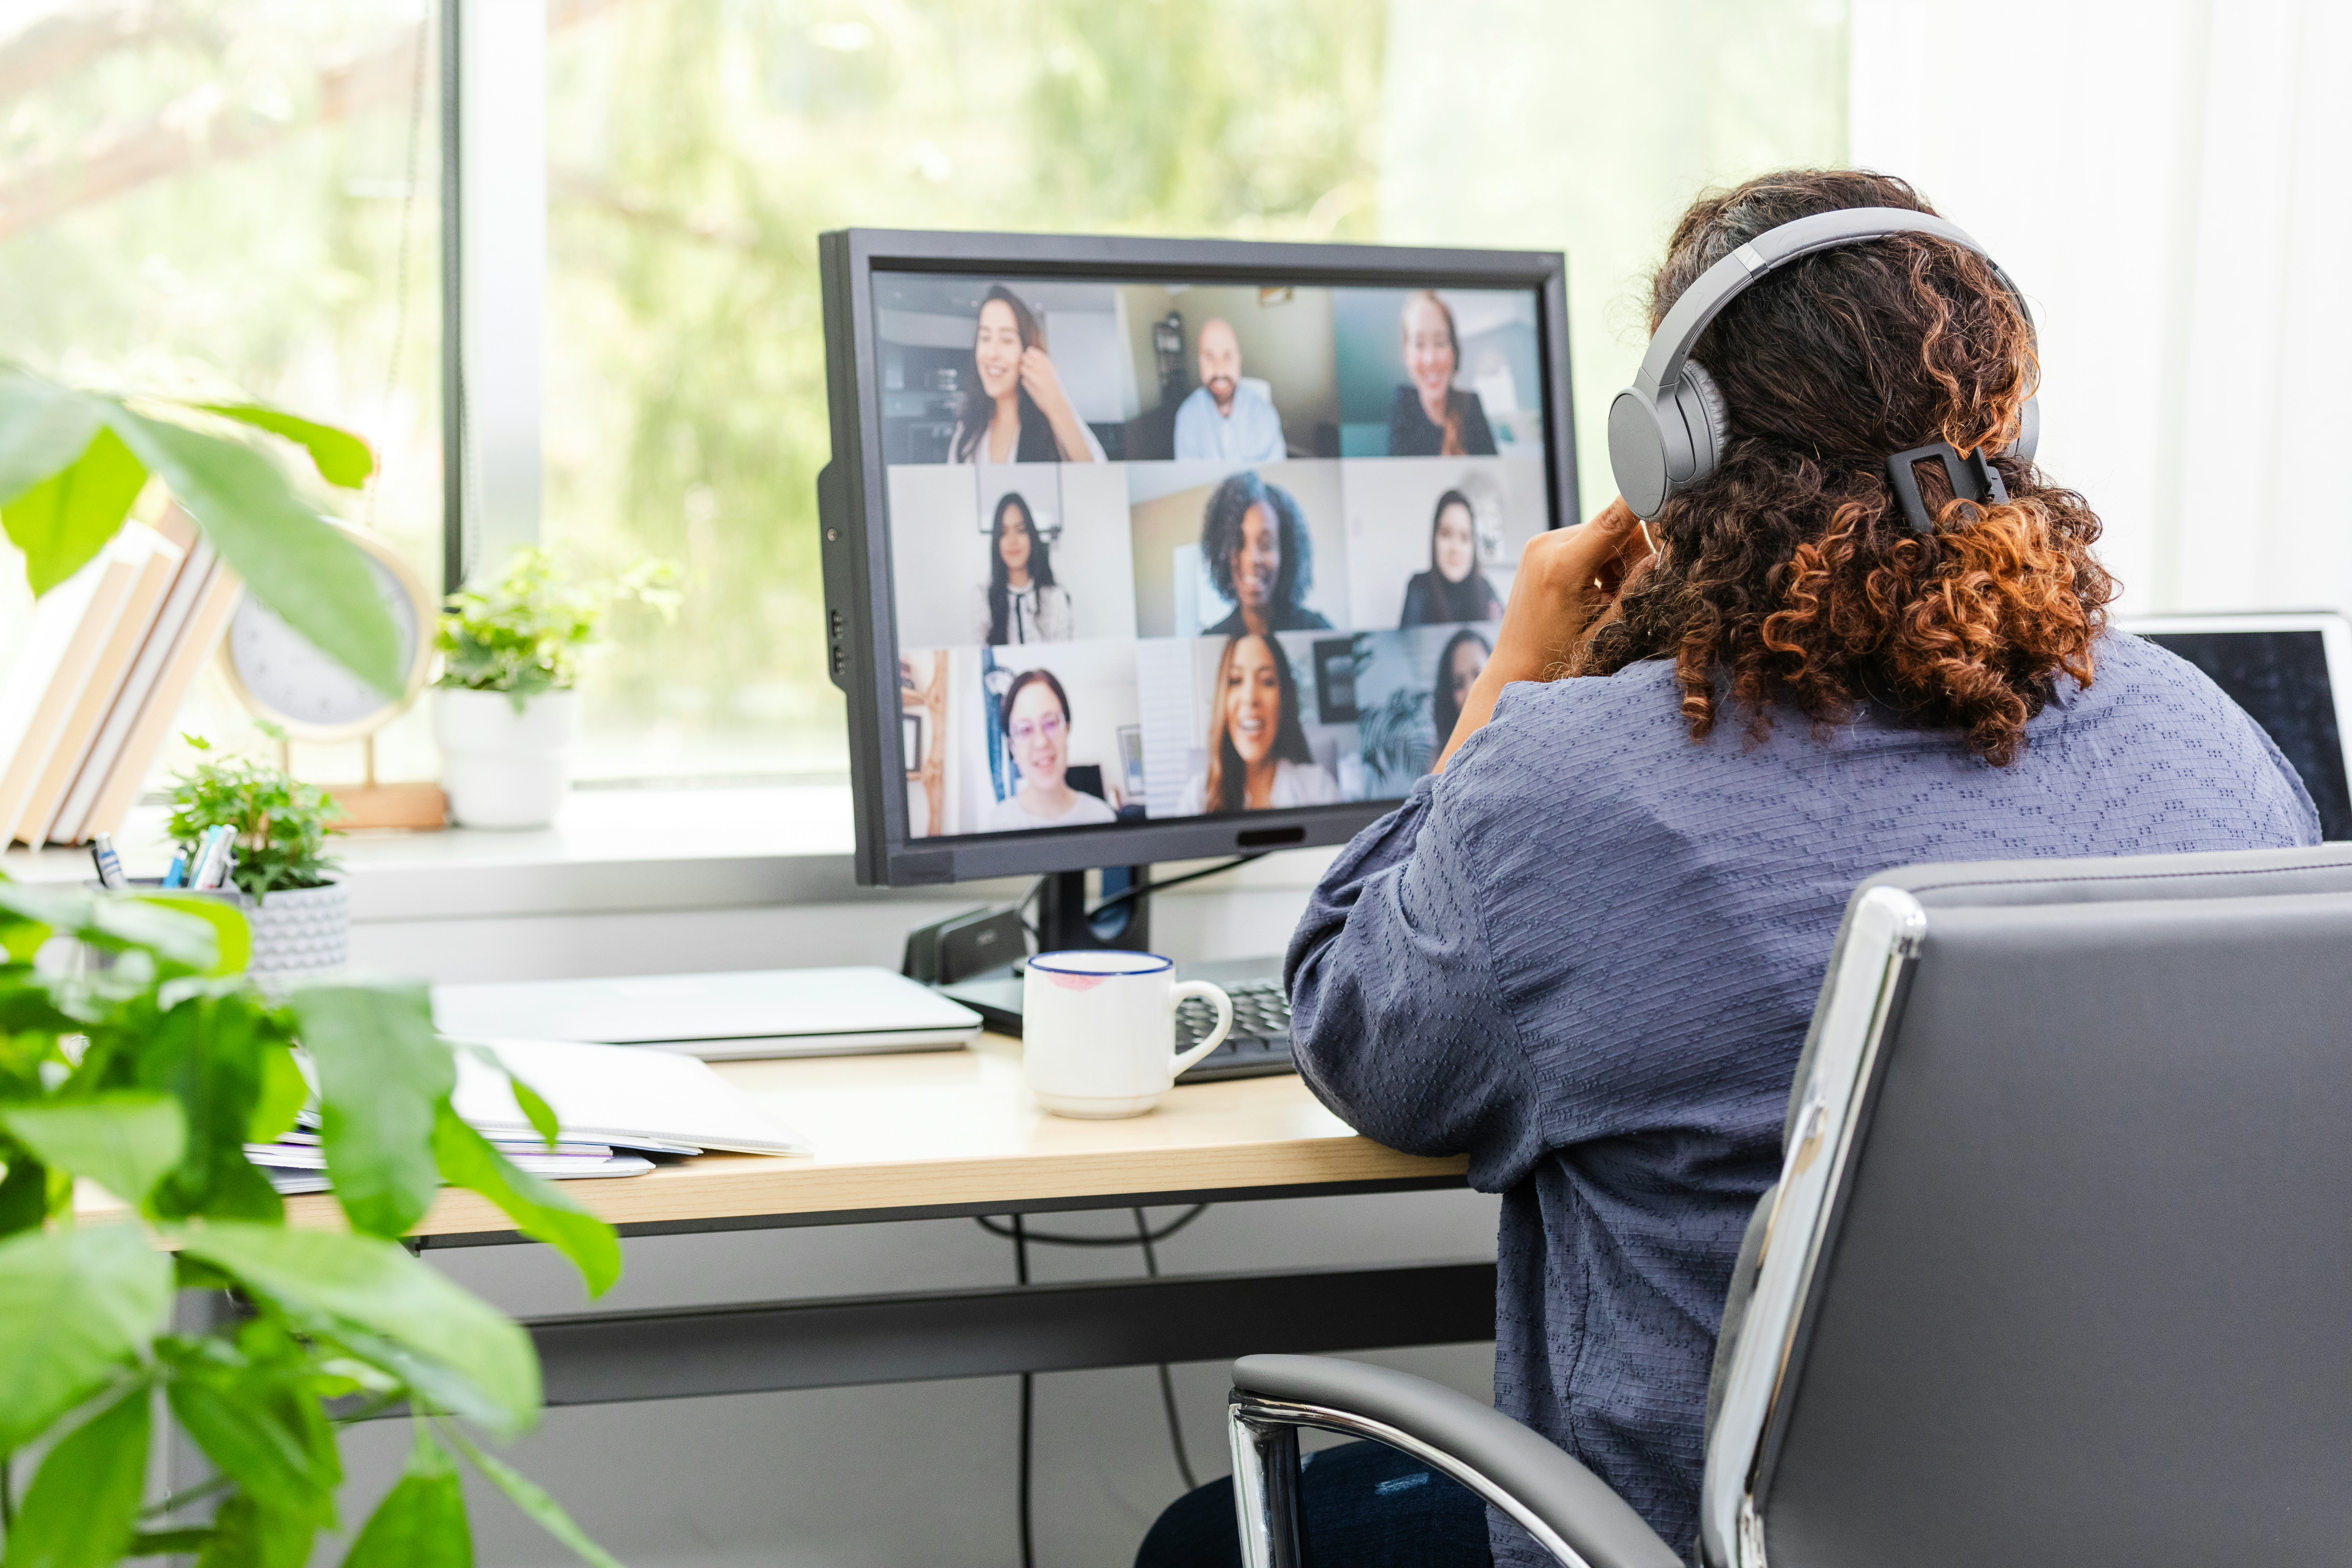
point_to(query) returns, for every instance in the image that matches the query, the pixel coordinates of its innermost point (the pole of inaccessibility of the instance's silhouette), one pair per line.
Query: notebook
(718, 1017)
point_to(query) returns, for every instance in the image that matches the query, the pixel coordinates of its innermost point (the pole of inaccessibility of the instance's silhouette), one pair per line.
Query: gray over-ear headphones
(1667, 431)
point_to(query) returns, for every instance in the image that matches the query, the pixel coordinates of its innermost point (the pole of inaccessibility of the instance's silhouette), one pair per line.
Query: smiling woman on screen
(1258, 755)
(1022, 602)
(1037, 727)
(1015, 410)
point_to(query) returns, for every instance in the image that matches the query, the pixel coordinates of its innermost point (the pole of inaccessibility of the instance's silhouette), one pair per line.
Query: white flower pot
(501, 768)
(297, 932)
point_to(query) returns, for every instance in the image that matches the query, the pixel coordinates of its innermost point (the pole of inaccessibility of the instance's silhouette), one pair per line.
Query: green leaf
(320, 1278)
(537, 1208)
(124, 1142)
(64, 520)
(232, 937)
(169, 1543)
(85, 1502)
(421, 1524)
(24, 1195)
(284, 1092)
(317, 582)
(114, 924)
(234, 1421)
(208, 1052)
(382, 1072)
(537, 1506)
(541, 1114)
(76, 1307)
(343, 457)
(43, 427)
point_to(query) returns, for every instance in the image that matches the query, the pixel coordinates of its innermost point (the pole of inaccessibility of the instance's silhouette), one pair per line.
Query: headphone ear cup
(2029, 431)
(1710, 423)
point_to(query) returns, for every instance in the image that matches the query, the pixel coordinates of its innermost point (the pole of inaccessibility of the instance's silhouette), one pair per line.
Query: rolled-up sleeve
(1399, 1023)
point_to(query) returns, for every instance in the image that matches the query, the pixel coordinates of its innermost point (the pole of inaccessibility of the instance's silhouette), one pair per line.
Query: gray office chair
(2058, 1269)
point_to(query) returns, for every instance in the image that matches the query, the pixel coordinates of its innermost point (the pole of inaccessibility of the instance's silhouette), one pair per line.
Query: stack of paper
(92, 695)
(296, 1162)
(615, 1105)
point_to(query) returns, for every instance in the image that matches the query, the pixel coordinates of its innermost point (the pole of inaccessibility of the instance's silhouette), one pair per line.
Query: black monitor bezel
(861, 623)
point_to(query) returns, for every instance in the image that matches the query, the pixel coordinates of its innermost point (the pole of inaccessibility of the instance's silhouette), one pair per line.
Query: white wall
(2165, 180)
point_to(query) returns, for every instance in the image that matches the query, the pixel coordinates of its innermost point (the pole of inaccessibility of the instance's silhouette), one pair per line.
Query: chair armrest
(1515, 1468)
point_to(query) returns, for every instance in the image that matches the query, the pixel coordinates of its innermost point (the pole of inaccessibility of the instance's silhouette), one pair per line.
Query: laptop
(718, 1017)
(2293, 673)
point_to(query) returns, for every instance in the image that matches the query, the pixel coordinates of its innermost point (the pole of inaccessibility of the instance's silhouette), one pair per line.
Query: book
(160, 709)
(64, 680)
(619, 1095)
(73, 823)
(137, 617)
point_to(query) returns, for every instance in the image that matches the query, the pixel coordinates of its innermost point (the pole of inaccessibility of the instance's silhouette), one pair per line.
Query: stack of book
(95, 691)
(296, 1163)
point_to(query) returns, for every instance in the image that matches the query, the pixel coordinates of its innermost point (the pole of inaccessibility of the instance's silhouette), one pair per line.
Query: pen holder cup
(298, 933)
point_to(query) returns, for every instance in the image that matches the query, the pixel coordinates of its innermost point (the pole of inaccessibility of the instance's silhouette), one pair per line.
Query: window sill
(624, 851)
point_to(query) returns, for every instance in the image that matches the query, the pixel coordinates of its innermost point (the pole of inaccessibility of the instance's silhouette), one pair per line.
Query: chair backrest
(2060, 1265)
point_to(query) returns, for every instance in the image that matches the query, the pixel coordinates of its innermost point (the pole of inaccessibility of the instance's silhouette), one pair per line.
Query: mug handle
(1215, 997)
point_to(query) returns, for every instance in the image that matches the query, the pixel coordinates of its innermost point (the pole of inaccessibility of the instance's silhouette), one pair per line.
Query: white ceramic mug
(1098, 1031)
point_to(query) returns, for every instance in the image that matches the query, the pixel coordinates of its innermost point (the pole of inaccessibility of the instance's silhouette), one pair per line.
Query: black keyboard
(1260, 1043)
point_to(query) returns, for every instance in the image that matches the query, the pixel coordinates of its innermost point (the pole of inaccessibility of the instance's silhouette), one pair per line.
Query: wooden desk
(956, 1132)
(944, 1133)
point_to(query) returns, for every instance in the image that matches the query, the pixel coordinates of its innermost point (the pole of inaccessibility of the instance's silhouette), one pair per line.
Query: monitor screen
(2280, 678)
(1162, 550)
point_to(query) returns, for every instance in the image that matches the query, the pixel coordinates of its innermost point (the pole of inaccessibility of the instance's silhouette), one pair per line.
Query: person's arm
(1044, 384)
(1568, 578)
(1398, 1020)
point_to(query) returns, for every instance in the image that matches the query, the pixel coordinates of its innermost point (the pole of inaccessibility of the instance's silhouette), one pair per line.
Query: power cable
(1016, 1230)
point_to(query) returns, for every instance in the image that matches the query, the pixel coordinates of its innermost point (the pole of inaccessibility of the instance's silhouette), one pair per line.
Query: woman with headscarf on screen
(1258, 755)
(1453, 590)
(1432, 417)
(1015, 410)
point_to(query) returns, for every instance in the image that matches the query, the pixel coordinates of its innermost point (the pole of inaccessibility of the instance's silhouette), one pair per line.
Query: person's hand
(1568, 583)
(1044, 384)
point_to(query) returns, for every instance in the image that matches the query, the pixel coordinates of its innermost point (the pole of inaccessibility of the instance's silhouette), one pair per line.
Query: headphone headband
(1667, 431)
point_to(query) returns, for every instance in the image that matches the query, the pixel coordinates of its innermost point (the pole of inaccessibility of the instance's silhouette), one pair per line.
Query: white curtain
(2167, 180)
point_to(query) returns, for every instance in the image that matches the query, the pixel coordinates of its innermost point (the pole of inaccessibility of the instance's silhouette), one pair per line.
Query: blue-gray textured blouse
(1587, 955)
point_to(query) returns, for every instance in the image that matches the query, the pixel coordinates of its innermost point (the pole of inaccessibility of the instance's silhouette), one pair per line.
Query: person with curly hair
(1586, 952)
(1261, 559)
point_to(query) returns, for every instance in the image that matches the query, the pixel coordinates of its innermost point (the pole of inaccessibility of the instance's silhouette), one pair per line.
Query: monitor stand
(1063, 925)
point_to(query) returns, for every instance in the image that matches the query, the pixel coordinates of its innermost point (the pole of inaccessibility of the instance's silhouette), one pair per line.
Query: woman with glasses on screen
(1015, 410)
(1258, 755)
(1036, 713)
(1022, 602)
(1432, 417)
(1453, 590)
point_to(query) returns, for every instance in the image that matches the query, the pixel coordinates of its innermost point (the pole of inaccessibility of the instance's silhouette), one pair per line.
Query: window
(696, 148)
(237, 196)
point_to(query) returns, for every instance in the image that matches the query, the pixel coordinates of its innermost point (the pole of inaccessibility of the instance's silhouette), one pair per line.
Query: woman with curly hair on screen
(1586, 950)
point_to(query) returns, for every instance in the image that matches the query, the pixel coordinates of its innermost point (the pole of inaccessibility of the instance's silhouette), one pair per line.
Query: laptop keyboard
(1260, 1043)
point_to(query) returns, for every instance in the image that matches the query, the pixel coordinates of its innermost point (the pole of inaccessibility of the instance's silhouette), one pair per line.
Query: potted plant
(145, 1076)
(283, 878)
(507, 707)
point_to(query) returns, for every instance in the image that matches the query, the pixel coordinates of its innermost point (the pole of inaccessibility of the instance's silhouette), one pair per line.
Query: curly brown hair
(1790, 574)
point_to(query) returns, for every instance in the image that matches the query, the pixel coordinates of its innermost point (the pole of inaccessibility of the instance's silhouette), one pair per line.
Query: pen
(109, 864)
(178, 876)
(205, 874)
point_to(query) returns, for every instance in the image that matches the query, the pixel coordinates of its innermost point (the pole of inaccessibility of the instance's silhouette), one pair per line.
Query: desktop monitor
(1141, 550)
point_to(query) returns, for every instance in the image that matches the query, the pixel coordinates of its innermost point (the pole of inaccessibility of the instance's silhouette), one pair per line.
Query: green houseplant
(283, 878)
(146, 1076)
(506, 709)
